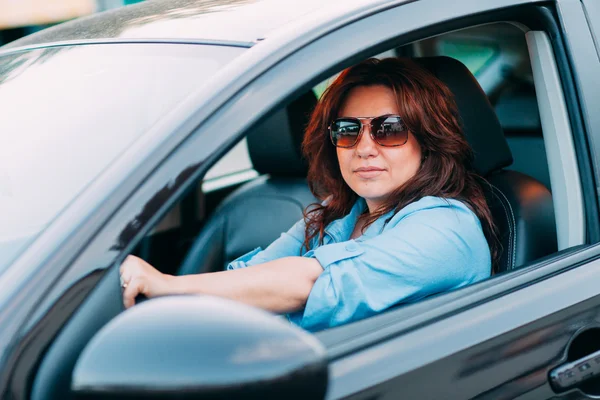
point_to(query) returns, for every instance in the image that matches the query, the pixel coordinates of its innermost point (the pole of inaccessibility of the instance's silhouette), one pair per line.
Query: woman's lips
(368, 172)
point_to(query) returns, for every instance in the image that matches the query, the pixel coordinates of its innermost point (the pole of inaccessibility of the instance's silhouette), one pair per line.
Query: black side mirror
(200, 347)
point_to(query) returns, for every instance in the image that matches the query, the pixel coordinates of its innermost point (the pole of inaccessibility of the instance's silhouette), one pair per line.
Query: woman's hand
(280, 286)
(139, 277)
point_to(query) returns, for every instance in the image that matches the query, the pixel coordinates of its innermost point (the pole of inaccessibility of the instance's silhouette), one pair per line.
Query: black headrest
(480, 123)
(275, 144)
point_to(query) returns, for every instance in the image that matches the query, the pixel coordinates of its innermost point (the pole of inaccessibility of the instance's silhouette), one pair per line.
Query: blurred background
(21, 17)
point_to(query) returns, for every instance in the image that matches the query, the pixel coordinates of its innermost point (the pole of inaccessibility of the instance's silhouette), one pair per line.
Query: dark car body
(506, 337)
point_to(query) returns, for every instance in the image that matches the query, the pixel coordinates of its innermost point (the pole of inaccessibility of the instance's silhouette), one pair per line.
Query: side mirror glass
(200, 347)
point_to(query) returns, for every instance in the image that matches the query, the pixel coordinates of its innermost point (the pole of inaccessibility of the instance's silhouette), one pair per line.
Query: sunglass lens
(390, 131)
(344, 132)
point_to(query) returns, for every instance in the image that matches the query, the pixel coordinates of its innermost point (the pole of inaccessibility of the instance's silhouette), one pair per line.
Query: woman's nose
(366, 146)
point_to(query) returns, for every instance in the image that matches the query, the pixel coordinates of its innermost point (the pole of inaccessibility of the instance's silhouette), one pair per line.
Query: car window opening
(498, 58)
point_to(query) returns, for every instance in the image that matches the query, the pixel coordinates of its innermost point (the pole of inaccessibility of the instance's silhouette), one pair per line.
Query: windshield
(67, 112)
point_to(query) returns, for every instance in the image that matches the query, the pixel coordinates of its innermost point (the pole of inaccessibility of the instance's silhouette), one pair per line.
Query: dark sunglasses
(386, 130)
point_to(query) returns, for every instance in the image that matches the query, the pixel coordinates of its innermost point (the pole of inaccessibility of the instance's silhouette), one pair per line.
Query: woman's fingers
(123, 270)
(139, 277)
(134, 287)
(132, 277)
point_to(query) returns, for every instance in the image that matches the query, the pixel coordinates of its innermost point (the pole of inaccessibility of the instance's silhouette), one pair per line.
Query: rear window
(67, 112)
(475, 55)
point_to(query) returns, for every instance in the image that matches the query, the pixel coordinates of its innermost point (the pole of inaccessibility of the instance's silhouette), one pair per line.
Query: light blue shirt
(430, 246)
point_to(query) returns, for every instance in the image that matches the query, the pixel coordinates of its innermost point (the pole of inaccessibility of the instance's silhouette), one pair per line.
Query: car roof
(241, 22)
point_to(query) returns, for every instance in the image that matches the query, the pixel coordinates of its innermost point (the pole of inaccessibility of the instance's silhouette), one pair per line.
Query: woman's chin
(372, 196)
(371, 189)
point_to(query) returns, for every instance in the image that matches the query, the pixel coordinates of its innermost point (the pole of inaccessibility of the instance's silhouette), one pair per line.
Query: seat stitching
(512, 230)
(514, 254)
(509, 229)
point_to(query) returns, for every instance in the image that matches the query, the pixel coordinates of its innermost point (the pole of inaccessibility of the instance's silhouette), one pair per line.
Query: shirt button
(351, 247)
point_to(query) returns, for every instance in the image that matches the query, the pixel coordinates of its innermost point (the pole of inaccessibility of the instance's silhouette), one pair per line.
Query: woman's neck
(372, 205)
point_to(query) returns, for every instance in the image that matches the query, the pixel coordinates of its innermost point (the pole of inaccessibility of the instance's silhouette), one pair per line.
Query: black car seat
(259, 211)
(521, 206)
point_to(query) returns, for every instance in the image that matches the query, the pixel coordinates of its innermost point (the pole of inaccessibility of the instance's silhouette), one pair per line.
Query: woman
(403, 214)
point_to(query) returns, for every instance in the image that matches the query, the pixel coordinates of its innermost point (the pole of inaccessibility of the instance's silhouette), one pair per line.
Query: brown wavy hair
(429, 111)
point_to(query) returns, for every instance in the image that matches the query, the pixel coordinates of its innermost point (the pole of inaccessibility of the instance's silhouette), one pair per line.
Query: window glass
(320, 88)
(474, 55)
(235, 161)
(68, 112)
(497, 55)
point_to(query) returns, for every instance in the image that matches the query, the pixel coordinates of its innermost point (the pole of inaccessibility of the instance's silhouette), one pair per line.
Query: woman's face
(373, 171)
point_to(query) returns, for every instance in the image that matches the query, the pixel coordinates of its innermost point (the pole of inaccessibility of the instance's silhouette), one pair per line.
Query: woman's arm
(280, 286)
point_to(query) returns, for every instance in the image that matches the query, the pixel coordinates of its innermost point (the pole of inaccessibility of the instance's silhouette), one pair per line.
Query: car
(170, 130)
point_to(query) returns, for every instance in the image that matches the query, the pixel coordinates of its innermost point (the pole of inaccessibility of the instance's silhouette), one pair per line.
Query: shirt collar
(341, 229)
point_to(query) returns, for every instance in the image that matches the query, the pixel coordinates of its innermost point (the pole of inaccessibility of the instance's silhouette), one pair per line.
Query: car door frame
(160, 189)
(581, 20)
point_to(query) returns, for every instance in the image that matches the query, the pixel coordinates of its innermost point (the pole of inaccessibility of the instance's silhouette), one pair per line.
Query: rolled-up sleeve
(427, 252)
(287, 245)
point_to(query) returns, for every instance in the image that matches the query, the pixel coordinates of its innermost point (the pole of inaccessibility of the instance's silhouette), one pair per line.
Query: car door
(502, 338)
(497, 339)
(534, 335)
(514, 334)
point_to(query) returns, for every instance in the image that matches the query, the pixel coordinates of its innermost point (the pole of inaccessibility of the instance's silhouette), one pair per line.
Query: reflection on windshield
(232, 20)
(67, 112)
